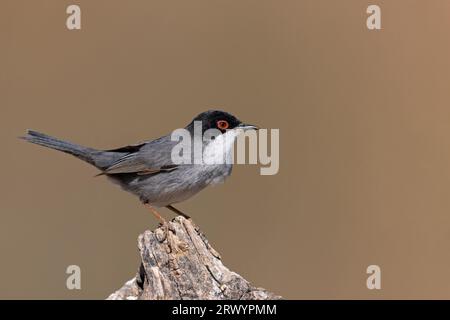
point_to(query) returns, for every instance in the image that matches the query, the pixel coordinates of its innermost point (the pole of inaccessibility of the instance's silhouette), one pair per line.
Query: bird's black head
(221, 120)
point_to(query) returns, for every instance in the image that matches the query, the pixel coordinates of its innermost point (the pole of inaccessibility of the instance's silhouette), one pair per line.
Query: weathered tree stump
(177, 262)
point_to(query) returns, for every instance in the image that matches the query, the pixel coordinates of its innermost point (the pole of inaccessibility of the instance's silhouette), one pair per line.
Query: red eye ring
(222, 124)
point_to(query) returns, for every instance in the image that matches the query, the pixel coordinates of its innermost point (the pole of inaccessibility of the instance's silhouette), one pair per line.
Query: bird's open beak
(245, 127)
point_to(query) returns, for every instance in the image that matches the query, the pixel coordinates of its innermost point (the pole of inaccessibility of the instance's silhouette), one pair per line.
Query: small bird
(147, 170)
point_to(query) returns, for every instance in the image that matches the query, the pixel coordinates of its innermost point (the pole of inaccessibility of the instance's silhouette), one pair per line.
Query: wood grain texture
(177, 262)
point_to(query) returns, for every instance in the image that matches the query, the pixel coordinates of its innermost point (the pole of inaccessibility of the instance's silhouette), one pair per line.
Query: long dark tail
(95, 157)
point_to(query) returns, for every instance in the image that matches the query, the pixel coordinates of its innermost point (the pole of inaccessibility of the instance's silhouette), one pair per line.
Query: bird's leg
(165, 227)
(156, 213)
(172, 208)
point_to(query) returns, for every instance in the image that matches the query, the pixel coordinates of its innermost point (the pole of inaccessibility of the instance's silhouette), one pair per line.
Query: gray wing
(145, 158)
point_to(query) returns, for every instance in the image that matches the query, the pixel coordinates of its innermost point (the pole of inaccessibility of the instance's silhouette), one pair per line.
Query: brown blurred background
(364, 121)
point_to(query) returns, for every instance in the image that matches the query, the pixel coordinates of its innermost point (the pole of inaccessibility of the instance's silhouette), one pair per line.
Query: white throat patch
(220, 150)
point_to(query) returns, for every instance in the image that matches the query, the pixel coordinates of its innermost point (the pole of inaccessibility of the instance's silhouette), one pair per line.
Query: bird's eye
(222, 124)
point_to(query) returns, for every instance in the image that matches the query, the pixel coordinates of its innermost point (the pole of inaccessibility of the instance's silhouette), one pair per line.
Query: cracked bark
(177, 262)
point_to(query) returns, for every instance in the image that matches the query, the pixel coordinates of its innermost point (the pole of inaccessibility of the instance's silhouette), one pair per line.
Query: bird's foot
(166, 231)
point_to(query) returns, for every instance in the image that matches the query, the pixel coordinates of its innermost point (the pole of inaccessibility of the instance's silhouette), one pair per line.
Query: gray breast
(166, 188)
